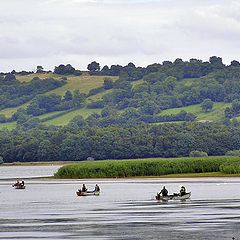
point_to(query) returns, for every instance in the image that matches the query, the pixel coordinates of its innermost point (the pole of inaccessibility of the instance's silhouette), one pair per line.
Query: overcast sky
(51, 32)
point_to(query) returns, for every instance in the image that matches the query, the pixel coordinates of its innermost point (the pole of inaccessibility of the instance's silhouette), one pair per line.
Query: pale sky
(51, 32)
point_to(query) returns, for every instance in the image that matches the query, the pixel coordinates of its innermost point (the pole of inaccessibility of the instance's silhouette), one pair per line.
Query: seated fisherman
(17, 183)
(97, 188)
(164, 192)
(84, 189)
(182, 191)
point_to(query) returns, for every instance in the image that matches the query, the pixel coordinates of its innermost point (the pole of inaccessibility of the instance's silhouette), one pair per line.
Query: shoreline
(169, 176)
(35, 164)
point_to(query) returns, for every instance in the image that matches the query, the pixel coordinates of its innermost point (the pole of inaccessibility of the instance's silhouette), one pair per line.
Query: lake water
(125, 209)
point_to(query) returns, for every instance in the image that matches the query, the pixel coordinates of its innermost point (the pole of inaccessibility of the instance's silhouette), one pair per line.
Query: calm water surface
(126, 209)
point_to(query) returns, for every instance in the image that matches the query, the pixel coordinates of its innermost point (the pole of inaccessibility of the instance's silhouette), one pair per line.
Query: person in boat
(17, 183)
(22, 184)
(164, 192)
(97, 188)
(182, 191)
(84, 189)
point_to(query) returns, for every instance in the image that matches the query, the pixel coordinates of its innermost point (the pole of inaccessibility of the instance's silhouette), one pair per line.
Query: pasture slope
(84, 84)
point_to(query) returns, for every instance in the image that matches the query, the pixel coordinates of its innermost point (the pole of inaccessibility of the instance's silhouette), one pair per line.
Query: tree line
(78, 142)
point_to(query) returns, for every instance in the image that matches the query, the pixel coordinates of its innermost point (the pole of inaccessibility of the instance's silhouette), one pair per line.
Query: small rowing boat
(173, 197)
(88, 193)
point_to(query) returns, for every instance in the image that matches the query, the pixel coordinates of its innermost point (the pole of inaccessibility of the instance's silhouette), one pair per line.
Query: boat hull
(19, 187)
(92, 193)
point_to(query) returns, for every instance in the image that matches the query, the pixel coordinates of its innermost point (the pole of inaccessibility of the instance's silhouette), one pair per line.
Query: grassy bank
(150, 167)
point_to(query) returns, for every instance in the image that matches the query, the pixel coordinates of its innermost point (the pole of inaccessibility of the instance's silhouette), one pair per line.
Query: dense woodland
(75, 142)
(125, 126)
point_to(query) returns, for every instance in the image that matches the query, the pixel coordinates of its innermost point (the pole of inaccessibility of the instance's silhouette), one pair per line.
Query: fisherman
(84, 189)
(97, 188)
(16, 184)
(182, 191)
(22, 183)
(164, 192)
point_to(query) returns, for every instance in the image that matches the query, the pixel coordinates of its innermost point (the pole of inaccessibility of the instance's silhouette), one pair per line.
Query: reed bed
(149, 167)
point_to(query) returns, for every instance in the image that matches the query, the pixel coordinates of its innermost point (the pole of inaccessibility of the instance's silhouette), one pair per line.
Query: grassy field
(81, 83)
(84, 83)
(98, 96)
(28, 78)
(8, 112)
(215, 114)
(8, 126)
(150, 167)
(66, 118)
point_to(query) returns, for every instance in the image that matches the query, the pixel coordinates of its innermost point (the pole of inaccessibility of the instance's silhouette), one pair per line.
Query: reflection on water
(126, 209)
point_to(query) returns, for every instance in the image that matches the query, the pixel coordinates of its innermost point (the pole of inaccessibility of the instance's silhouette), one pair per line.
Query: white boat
(184, 197)
(175, 196)
(88, 193)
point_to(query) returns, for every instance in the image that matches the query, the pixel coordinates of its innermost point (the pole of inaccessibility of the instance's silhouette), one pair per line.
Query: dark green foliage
(233, 110)
(81, 139)
(95, 104)
(67, 70)
(93, 67)
(40, 69)
(207, 105)
(108, 83)
(95, 91)
(68, 96)
(43, 104)
(14, 93)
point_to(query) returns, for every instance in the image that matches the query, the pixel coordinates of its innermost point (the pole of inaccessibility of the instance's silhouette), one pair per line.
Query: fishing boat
(88, 193)
(175, 196)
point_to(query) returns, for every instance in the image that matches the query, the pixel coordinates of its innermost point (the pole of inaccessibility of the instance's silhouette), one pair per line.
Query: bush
(96, 104)
(198, 154)
(1, 160)
(233, 153)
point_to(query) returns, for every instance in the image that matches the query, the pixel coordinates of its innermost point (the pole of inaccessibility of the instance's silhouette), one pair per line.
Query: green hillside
(85, 83)
(66, 118)
(215, 114)
(128, 94)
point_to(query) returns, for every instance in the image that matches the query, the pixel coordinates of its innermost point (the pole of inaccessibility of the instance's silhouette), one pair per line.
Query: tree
(40, 69)
(235, 63)
(233, 153)
(93, 66)
(65, 70)
(78, 98)
(207, 105)
(108, 83)
(216, 62)
(68, 96)
(198, 154)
